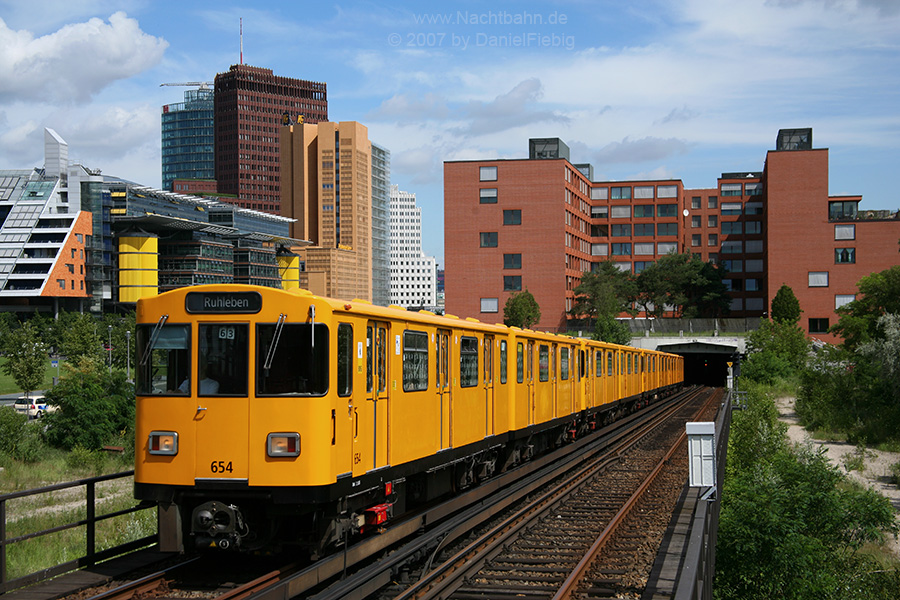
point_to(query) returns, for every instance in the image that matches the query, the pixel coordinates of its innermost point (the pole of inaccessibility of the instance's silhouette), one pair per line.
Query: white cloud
(76, 62)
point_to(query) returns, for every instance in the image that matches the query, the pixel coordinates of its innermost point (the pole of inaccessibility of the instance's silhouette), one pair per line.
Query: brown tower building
(250, 106)
(327, 188)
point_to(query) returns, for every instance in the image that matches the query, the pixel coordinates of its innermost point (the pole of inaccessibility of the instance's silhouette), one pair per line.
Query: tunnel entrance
(705, 363)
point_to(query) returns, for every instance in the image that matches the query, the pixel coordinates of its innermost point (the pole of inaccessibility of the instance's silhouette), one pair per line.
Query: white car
(34, 407)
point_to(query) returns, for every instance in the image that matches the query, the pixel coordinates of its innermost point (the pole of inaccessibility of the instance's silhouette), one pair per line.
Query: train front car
(236, 419)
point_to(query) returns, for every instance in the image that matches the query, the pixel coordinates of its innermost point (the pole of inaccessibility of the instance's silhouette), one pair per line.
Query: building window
(732, 227)
(754, 265)
(621, 231)
(713, 240)
(643, 210)
(737, 304)
(843, 210)
(753, 208)
(487, 174)
(599, 212)
(753, 246)
(488, 239)
(640, 265)
(844, 256)
(818, 325)
(599, 249)
(487, 196)
(643, 248)
(731, 208)
(512, 261)
(753, 227)
(842, 299)
(61, 283)
(696, 239)
(620, 212)
(666, 210)
(667, 229)
(600, 230)
(751, 285)
(490, 305)
(621, 193)
(666, 247)
(512, 283)
(712, 221)
(696, 222)
(599, 193)
(643, 191)
(755, 304)
(818, 279)
(621, 249)
(695, 202)
(643, 230)
(752, 189)
(845, 232)
(667, 191)
(512, 217)
(730, 189)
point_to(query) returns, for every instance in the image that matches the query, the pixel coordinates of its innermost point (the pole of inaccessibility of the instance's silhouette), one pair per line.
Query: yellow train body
(300, 405)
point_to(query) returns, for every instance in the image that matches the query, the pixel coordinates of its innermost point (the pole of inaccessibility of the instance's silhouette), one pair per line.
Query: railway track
(525, 556)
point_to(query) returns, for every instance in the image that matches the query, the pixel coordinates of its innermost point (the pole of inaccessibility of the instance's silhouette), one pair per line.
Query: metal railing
(91, 556)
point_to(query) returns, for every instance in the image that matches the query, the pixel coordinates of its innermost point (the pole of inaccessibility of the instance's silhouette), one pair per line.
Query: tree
(775, 350)
(879, 293)
(26, 357)
(603, 295)
(521, 310)
(785, 306)
(95, 406)
(81, 337)
(684, 283)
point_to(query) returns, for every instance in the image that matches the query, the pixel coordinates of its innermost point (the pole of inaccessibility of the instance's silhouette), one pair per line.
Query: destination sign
(223, 302)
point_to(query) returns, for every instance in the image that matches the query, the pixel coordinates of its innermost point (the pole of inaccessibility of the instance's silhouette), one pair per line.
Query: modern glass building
(381, 243)
(188, 134)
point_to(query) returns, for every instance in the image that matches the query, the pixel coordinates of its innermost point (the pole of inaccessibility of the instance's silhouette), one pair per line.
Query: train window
(598, 366)
(468, 362)
(502, 361)
(609, 363)
(544, 363)
(415, 361)
(345, 359)
(222, 351)
(628, 361)
(520, 362)
(292, 359)
(564, 363)
(163, 359)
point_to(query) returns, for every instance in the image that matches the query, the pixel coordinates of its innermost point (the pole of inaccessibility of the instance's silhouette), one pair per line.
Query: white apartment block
(413, 275)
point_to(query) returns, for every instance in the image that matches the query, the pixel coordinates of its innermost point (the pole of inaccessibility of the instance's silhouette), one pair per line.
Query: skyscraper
(251, 104)
(413, 275)
(188, 151)
(381, 243)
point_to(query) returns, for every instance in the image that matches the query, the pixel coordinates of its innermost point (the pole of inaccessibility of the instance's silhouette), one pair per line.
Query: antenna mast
(242, 40)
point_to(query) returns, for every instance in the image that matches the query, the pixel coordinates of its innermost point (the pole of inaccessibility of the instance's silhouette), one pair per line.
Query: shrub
(19, 439)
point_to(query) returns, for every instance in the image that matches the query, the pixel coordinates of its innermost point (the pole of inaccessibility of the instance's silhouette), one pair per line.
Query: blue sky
(647, 89)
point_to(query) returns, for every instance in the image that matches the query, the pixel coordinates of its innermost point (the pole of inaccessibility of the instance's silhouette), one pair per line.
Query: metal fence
(91, 556)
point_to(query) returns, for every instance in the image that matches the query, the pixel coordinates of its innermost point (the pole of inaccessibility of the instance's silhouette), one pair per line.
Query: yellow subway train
(269, 417)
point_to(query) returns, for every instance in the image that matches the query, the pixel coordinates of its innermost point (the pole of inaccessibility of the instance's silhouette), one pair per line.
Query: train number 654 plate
(221, 466)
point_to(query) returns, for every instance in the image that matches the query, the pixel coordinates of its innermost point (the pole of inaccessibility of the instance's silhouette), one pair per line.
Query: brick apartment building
(539, 223)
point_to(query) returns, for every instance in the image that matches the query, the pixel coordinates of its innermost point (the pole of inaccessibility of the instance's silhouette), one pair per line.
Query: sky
(661, 89)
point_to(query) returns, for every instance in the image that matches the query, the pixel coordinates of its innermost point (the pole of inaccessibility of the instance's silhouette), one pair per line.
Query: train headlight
(283, 444)
(163, 442)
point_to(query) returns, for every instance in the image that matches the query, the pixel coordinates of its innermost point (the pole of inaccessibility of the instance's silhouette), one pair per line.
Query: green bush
(19, 439)
(89, 462)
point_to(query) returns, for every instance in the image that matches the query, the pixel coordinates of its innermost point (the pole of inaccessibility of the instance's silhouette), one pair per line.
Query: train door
(488, 383)
(529, 379)
(554, 382)
(378, 392)
(443, 385)
(566, 379)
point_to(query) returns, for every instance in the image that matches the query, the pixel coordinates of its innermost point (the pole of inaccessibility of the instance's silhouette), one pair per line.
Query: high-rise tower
(188, 151)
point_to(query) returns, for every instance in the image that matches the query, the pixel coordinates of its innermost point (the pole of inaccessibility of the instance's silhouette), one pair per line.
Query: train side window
(415, 361)
(598, 366)
(543, 363)
(345, 359)
(502, 361)
(163, 359)
(468, 362)
(609, 363)
(222, 359)
(520, 362)
(564, 364)
(294, 362)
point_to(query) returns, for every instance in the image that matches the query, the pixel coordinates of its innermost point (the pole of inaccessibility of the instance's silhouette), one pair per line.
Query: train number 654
(220, 466)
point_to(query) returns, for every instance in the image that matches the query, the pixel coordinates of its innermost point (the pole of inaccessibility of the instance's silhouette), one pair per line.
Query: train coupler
(377, 515)
(218, 525)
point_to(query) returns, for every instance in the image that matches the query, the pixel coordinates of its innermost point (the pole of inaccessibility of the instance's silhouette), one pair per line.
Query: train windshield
(292, 358)
(163, 359)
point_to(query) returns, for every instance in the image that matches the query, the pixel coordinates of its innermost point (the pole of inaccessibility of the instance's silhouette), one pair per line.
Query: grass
(8, 384)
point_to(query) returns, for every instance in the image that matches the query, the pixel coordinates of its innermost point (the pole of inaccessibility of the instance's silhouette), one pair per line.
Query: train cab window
(222, 351)
(468, 362)
(163, 359)
(292, 359)
(564, 363)
(345, 359)
(502, 361)
(415, 361)
(544, 363)
(520, 362)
